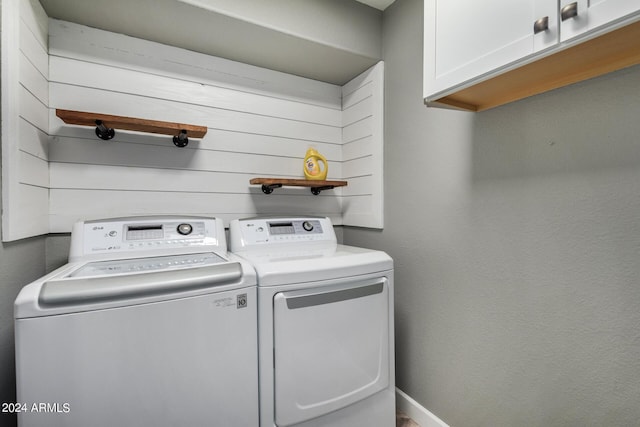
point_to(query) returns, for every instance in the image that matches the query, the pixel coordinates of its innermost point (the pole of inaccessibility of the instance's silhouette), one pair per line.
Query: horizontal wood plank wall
(362, 150)
(260, 123)
(25, 100)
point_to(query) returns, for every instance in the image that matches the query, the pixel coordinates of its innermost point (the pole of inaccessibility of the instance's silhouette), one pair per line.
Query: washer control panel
(134, 235)
(269, 231)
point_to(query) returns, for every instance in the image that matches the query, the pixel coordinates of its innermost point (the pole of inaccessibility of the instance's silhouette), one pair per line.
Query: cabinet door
(465, 39)
(579, 16)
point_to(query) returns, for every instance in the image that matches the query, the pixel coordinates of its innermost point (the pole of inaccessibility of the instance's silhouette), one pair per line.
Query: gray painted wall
(516, 241)
(20, 263)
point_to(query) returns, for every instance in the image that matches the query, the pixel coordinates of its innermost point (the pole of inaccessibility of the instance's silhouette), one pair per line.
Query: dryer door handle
(297, 300)
(71, 291)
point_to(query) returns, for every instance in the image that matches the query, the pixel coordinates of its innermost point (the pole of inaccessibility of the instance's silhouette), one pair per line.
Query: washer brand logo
(242, 301)
(223, 302)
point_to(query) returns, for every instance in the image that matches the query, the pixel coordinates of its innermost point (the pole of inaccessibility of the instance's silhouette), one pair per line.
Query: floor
(403, 420)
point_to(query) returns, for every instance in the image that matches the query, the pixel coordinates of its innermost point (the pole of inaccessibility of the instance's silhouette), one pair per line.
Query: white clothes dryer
(151, 323)
(325, 324)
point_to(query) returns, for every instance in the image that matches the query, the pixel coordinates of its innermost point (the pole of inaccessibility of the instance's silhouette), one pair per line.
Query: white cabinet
(581, 16)
(470, 41)
(467, 38)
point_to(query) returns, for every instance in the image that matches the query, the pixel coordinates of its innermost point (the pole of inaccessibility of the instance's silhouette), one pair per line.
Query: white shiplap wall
(362, 149)
(260, 123)
(25, 120)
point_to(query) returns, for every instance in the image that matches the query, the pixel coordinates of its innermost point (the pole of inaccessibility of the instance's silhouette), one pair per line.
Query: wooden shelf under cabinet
(609, 52)
(268, 184)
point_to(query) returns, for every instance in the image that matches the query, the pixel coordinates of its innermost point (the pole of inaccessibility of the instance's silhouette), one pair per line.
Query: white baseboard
(417, 412)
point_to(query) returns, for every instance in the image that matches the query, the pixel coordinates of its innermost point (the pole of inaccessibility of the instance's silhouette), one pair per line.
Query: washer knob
(307, 226)
(185, 229)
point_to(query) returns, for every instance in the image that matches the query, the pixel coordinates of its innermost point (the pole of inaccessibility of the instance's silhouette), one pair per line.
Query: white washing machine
(325, 324)
(151, 323)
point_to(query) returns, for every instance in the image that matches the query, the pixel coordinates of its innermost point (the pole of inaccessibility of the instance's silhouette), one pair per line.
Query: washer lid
(306, 263)
(78, 287)
(83, 290)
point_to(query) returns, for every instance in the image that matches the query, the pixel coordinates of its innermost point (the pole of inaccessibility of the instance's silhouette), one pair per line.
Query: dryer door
(331, 348)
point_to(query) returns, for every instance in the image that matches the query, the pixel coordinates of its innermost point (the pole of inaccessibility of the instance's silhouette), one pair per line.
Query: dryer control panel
(128, 237)
(256, 232)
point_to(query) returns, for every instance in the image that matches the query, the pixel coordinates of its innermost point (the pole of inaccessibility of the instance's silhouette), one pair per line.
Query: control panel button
(185, 229)
(307, 226)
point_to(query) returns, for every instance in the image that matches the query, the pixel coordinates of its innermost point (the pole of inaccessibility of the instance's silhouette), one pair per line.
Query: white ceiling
(378, 4)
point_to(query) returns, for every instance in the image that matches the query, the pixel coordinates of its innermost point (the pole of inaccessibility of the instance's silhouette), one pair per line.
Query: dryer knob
(307, 226)
(185, 229)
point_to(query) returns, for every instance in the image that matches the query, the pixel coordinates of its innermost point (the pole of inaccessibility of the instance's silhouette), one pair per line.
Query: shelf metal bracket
(181, 139)
(316, 190)
(268, 189)
(104, 132)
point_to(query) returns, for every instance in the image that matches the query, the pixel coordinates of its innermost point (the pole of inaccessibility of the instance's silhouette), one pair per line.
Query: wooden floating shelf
(269, 184)
(106, 123)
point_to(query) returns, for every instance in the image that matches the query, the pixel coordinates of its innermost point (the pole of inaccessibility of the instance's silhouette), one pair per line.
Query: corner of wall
(363, 148)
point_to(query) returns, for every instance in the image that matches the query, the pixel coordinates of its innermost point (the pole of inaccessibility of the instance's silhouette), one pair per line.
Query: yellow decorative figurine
(312, 168)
